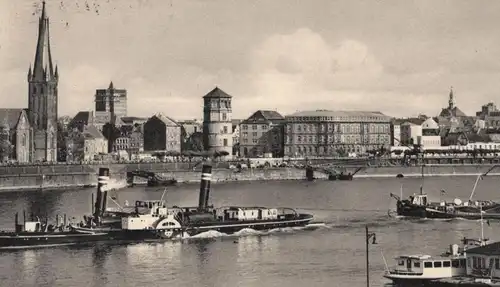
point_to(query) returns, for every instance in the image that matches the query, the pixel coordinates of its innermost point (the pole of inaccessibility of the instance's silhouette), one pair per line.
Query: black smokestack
(102, 181)
(206, 176)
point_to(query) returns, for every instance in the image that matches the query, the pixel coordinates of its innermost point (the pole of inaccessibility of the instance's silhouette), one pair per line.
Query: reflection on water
(332, 256)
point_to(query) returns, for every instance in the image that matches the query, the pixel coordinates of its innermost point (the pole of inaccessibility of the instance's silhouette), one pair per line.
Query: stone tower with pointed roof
(217, 125)
(42, 96)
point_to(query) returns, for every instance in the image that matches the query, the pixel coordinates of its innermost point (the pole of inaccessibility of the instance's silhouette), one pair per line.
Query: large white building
(217, 121)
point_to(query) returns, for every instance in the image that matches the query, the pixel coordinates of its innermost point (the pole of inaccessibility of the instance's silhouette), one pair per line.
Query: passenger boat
(418, 205)
(154, 220)
(422, 269)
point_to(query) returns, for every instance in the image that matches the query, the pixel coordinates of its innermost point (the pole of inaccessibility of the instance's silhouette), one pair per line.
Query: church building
(42, 97)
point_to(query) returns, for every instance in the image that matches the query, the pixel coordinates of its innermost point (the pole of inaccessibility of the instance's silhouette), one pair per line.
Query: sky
(399, 57)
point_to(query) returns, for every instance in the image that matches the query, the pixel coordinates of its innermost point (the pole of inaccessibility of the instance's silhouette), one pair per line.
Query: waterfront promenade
(187, 165)
(65, 175)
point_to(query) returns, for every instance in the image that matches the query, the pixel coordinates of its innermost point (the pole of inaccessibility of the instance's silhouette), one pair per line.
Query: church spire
(43, 67)
(451, 100)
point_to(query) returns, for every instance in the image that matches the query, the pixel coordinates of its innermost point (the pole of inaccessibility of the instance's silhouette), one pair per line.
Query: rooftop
(490, 249)
(263, 116)
(10, 117)
(328, 113)
(217, 93)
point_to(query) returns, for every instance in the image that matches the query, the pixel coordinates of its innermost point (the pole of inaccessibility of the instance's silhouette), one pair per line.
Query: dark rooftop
(217, 93)
(490, 249)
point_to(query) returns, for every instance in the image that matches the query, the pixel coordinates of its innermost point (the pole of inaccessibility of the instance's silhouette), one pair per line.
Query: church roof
(43, 66)
(453, 112)
(10, 117)
(217, 93)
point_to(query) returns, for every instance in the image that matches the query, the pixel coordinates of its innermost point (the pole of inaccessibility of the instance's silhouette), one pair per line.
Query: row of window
(254, 127)
(339, 118)
(219, 103)
(348, 139)
(312, 150)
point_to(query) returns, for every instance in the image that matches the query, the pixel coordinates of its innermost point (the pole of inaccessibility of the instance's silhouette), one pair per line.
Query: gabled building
(81, 120)
(262, 135)
(484, 261)
(87, 145)
(15, 136)
(162, 133)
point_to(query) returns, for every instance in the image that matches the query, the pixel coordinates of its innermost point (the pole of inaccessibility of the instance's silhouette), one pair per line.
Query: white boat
(422, 269)
(418, 269)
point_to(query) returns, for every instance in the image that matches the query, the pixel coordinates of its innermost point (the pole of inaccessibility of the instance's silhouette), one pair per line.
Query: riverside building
(330, 133)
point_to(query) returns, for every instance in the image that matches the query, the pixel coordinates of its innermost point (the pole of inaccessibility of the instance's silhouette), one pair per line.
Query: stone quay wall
(14, 178)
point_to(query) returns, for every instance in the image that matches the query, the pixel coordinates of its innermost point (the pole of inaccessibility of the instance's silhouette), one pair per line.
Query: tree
(62, 138)
(111, 133)
(6, 149)
(195, 142)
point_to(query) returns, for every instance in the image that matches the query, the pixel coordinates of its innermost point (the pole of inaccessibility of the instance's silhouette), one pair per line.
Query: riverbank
(88, 178)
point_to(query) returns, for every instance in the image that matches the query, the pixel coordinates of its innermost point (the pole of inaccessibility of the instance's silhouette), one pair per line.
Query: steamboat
(149, 220)
(153, 220)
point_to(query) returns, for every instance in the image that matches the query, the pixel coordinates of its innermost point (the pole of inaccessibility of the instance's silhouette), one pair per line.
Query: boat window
(497, 263)
(427, 264)
(401, 263)
(437, 264)
(469, 264)
(446, 263)
(462, 262)
(455, 263)
(416, 264)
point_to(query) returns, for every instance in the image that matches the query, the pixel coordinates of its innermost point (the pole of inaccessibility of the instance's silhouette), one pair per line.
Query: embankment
(76, 176)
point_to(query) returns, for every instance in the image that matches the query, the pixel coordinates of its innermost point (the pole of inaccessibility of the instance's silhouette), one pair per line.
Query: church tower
(42, 96)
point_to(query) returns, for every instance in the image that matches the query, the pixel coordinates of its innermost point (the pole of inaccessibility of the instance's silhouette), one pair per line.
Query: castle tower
(217, 126)
(42, 96)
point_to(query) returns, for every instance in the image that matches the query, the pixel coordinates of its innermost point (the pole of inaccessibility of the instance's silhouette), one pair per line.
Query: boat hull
(410, 281)
(412, 210)
(186, 231)
(23, 240)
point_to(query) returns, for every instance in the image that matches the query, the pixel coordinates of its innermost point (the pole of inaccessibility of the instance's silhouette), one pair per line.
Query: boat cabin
(150, 204)
(427, 267)
(420, 199)
(32, 226)
(150, 214)
(253, 213)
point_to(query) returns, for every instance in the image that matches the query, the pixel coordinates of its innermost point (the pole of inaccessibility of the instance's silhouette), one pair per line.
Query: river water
(331, 255)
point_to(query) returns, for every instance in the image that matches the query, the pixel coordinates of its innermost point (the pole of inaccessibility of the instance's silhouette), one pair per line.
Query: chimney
(101, 184)
(206, 176)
